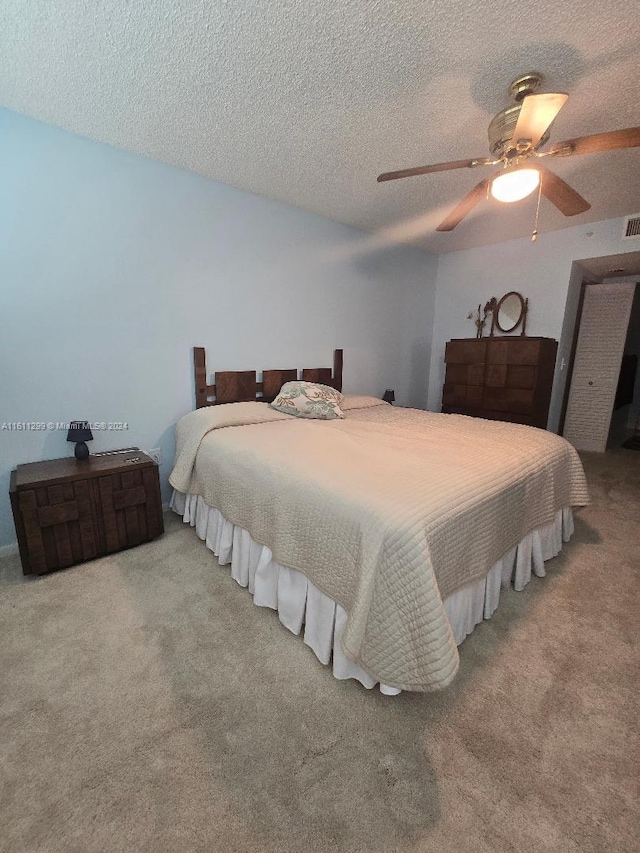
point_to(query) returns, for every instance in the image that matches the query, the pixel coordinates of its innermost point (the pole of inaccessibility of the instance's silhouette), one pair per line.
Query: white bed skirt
(300, 604)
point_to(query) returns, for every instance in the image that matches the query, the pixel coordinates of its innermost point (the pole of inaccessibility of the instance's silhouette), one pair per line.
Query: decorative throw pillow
(309, 400)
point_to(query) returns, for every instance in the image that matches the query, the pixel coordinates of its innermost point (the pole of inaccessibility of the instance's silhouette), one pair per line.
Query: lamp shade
(389, 395)
(79, 431)
(515, 185)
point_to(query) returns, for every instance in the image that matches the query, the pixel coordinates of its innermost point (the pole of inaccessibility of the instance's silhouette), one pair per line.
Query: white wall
(112, 267)
(543, 271)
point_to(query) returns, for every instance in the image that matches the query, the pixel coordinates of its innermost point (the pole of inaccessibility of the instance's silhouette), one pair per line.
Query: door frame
(572, 355)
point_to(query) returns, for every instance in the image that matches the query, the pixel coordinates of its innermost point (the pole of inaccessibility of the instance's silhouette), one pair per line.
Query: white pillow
(309, 400)
(360, 401)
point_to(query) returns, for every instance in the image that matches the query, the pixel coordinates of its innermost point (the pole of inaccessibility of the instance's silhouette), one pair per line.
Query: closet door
(601, 339)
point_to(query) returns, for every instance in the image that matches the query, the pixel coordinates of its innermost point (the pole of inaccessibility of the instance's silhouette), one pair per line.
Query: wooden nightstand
(66, 512)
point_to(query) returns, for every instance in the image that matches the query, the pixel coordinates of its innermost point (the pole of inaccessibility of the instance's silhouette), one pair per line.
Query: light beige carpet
(147, 705)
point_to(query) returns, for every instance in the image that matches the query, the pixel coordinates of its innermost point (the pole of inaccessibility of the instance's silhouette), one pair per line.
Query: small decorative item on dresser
(80, 433)
(66, 512)
(389, 396)
(479, 322)
(480, 319)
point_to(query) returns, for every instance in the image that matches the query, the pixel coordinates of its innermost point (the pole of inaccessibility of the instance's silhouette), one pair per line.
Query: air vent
(631, 227)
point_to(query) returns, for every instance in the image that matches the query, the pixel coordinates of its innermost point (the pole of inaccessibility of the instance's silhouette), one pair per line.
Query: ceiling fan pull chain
(534, 236)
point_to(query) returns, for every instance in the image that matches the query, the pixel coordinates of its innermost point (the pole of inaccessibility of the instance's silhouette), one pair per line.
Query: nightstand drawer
(59, 525)
(130, 510)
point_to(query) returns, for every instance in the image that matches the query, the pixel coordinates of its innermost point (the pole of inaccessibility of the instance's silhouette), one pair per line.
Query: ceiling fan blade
(560, 194)
(614, 139)
(536, 116)
(436, 167)
(465, 206)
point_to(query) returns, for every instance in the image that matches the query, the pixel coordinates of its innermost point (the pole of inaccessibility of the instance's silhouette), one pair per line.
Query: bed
(383, 537)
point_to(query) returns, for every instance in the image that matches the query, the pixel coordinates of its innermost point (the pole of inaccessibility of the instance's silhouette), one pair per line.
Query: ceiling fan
(516, 134)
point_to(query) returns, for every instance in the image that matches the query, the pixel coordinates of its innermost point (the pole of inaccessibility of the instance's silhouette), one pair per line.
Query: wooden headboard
(236, 386)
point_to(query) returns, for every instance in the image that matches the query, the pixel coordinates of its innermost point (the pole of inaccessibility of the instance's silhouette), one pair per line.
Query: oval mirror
(509, 312)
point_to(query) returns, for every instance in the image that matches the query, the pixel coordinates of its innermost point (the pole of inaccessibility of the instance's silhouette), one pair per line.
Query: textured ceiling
(306, 101)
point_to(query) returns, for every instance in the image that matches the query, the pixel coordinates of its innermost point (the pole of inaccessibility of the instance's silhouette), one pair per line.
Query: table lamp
(80, 433)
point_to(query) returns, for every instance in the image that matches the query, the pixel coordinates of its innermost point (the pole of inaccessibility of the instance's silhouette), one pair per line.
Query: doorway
(625, 421)
(602, 330)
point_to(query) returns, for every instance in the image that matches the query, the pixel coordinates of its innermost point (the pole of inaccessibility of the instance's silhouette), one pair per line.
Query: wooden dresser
(66, 511)
(500, 378)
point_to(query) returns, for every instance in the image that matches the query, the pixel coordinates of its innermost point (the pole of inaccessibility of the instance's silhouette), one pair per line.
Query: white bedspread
(303, 608)
(388, 512)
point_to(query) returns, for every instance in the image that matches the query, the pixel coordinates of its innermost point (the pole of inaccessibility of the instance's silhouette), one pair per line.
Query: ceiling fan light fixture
(514, 185)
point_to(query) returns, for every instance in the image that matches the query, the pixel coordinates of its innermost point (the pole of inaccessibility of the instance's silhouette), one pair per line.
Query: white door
(603, 330)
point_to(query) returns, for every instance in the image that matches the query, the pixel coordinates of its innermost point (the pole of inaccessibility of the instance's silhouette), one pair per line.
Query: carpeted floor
(147, 705)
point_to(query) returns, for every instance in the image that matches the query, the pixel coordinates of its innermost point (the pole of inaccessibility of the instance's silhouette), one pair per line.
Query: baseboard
(6, 550)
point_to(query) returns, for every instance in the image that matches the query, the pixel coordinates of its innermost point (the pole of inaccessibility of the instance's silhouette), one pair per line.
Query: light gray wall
(112, 267)
(543, 271)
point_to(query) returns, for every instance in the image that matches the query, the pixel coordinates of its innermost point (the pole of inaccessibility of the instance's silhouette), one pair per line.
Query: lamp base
(81, 450)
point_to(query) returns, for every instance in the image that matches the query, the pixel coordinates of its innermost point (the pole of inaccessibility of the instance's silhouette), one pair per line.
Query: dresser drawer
(466, 351)
(496, 376)
(519, 376)
(508, 400)
(513, 351)
(465, 374)
(462, 395)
